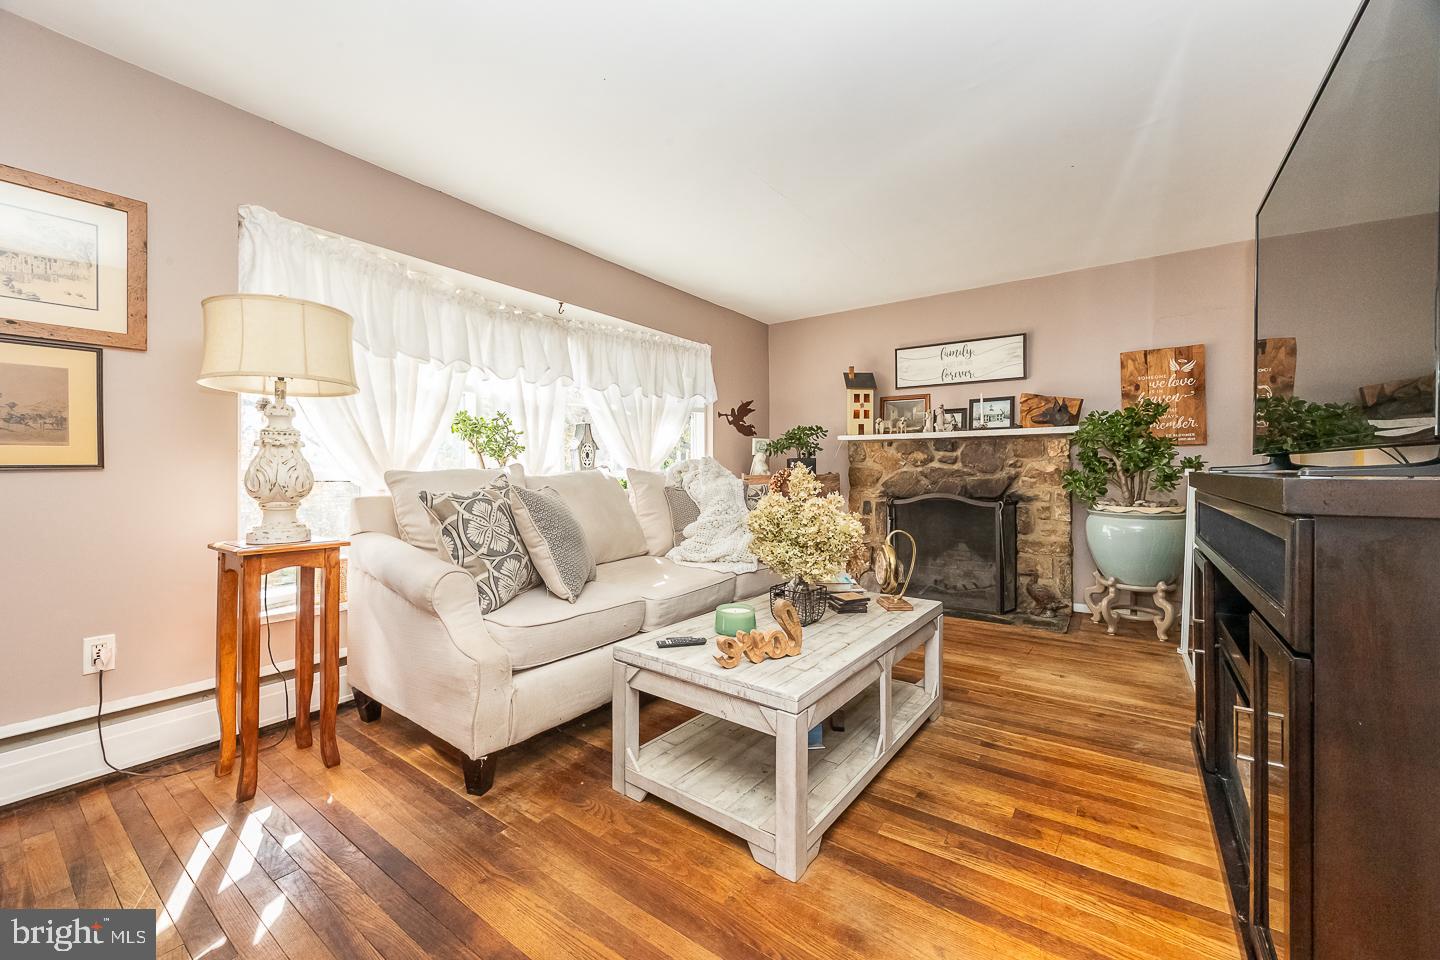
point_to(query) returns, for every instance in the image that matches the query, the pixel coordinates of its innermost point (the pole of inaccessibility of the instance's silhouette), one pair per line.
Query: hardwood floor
(1053, 812)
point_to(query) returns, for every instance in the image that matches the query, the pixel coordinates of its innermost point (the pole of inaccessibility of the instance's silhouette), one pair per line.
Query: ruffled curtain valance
(402, 312)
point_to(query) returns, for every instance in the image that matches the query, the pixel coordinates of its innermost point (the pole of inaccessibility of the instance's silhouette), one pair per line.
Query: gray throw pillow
(555, 540)
(477, 532)
(683, 512)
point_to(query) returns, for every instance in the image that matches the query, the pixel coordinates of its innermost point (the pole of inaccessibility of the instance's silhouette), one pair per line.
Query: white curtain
(401, 413)
(637, 431)
(539, 410)
(417, 336)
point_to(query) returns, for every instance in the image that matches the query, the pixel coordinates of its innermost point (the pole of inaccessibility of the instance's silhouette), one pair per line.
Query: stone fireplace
(1014, 466)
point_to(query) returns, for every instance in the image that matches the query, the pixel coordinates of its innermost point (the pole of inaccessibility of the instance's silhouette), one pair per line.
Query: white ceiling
(784, 159)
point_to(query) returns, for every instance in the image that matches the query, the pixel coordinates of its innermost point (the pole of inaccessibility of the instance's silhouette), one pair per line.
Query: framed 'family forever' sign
(961, 361)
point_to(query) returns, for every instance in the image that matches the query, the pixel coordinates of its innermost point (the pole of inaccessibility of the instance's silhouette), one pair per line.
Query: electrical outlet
(97, 653)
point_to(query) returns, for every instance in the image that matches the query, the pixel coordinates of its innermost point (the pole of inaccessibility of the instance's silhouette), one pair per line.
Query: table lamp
(282, 347)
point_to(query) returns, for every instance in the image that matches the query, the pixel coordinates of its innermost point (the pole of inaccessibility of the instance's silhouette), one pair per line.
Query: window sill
(287, 611)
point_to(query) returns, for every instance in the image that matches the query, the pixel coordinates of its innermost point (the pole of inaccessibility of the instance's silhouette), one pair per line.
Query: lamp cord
(284, 689)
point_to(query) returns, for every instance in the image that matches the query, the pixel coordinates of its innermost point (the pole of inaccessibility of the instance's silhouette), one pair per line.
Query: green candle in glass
(731, 618)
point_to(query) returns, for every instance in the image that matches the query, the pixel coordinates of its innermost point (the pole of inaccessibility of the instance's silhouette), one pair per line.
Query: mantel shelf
(960, 434)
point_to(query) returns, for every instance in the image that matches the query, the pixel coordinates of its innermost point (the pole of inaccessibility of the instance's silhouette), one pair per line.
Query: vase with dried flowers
(804, 536)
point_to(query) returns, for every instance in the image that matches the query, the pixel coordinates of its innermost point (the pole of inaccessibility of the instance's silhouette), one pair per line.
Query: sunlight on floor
(268, 916)
(206, 951)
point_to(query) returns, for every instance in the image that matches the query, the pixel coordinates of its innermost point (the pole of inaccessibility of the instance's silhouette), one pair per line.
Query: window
(327, 509)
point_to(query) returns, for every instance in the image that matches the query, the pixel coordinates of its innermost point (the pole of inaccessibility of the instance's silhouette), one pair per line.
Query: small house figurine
(585, 447)
(859, 400)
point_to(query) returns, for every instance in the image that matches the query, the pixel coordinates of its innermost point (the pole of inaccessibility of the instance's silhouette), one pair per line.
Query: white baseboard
(41, 763)
(1079, 607)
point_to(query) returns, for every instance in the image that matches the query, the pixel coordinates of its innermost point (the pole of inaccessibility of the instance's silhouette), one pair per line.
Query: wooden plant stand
(237, 610)
(1161, 611)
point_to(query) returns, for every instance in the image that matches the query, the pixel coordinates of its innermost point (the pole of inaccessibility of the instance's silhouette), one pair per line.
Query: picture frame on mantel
(981, 360)
(997, 413)
(907, 411)
(72, 262)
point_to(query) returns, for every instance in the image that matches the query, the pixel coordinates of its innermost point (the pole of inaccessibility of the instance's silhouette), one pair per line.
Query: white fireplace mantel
(952, 434)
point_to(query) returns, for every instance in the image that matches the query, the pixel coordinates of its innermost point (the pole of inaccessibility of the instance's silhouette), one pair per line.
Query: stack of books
(850, 601)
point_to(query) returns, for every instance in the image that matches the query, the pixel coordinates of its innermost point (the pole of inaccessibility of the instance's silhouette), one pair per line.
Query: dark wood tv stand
(1316, 619)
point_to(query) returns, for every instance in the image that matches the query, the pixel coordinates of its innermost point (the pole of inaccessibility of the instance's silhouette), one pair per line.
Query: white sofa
(419, 645)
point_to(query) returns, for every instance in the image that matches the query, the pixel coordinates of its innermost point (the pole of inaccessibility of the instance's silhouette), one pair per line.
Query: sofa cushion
(477, 532)
(555, 540)
(671, 592)
(647, 498)
(417, 527)
(536, 628)
(603, 509)
(756, 582)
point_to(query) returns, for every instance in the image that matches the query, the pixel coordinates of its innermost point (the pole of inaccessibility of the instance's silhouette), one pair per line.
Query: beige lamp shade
(251, 340)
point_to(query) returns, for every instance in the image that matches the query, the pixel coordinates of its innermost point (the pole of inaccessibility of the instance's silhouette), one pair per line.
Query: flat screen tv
(1347, 246)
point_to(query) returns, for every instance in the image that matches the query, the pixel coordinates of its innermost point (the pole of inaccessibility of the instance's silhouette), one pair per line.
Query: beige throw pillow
(647, 497)
(417, 527)
(555, 541)
(599, 503)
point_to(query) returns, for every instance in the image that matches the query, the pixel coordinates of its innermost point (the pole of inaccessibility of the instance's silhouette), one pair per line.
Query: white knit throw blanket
(718, 539)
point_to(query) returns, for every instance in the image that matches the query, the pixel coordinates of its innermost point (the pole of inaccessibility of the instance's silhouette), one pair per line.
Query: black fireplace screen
(966, 551)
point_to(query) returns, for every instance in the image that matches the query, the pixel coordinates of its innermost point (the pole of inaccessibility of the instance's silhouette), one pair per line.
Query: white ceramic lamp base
(278, 477)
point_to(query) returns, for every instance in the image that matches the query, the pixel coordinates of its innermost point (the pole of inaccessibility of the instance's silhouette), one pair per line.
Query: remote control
(681, 642)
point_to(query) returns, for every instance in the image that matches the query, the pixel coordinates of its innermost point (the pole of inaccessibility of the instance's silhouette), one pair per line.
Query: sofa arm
(418, 644)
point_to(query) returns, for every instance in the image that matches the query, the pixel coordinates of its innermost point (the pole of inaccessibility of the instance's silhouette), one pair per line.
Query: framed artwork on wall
(962, 361)
(992, 412)
(51, 405)
(905, 412)
(72, 262)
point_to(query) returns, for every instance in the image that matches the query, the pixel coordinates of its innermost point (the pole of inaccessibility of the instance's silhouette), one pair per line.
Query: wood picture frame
(977, 360)
(905, 409)
(72, 262)
(52, 405)
(1002, 419)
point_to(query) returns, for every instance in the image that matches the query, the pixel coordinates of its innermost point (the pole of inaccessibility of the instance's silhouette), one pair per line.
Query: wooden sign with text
(1172, 375)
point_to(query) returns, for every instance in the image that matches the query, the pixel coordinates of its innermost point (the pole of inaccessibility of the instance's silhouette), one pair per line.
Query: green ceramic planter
(731, 618)
(1140, 549)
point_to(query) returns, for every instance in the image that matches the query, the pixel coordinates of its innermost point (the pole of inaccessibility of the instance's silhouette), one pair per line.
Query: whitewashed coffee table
(743, 764)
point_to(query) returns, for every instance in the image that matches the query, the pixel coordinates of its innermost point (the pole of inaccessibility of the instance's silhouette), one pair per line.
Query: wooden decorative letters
(759, 645)
(1172, 375)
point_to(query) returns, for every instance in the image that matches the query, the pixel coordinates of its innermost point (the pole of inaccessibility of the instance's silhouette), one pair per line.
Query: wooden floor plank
(1052, 812)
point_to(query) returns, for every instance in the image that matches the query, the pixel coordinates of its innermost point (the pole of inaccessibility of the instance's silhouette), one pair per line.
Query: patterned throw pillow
(555, 540)
(683, 511)
(477, 531)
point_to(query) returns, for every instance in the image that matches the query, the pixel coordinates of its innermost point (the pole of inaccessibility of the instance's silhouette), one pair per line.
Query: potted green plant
(804, 440)
(1133, 536)
(494, 437)
(806, 537)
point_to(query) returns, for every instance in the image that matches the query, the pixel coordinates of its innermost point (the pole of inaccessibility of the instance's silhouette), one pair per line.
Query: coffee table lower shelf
(726, 773)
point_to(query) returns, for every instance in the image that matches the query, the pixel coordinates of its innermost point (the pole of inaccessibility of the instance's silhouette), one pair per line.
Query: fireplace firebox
(966, 551)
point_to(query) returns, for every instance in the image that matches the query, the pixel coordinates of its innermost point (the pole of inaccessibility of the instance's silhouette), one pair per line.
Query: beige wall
(1078, 324)
(122, 550)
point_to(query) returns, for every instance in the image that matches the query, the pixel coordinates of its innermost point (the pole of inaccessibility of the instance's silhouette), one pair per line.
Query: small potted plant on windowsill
(494, 437)
(1133, 537)
(804, 440)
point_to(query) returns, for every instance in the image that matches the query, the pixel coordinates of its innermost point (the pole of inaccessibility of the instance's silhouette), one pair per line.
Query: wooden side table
(237, 610)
